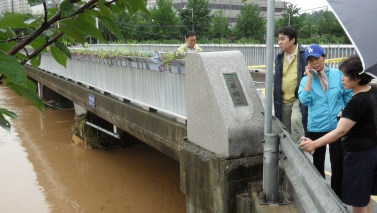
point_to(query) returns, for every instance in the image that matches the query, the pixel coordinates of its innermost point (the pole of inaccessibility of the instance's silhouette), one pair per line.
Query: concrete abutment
(212, 183)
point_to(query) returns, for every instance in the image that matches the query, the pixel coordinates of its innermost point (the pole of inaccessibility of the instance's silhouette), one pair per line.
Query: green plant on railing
(166, 58)
(111, 56)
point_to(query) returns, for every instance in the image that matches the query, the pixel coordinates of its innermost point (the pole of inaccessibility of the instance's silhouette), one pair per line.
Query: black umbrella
(358, 18)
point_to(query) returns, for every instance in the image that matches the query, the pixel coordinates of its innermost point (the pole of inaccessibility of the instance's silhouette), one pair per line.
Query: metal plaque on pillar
(235, 90)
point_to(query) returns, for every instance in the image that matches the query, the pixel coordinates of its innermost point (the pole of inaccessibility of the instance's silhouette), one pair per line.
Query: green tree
(165, 20)
(76, 18)
(250, 23)
(220, 25)
(196, 16)
(125, 23)
(328, 24)
(291, 18)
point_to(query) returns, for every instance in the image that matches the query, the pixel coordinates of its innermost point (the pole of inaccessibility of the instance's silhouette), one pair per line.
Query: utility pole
(192, 19)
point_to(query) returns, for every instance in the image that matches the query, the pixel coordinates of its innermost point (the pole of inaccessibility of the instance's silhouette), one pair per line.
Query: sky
(308, 4)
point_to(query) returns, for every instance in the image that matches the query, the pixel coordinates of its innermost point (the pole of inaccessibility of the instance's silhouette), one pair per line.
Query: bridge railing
(312, 193)
(163, 91)
(255, 54)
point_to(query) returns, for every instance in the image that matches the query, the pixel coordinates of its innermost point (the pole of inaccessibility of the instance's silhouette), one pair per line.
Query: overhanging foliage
(69, 22)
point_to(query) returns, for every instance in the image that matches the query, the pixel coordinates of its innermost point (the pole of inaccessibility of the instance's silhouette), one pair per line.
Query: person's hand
(309, 71)
(307, 145)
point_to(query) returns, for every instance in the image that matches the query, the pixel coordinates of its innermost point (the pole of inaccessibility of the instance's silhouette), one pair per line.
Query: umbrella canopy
(358, 18)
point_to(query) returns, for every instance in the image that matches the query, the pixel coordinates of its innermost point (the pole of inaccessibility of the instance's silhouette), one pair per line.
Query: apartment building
(14, 6)
(231, 7)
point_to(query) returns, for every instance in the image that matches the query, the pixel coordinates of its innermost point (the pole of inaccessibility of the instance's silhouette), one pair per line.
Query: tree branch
(45, 9)
(42, 47)
(16, 39)
(44, 27)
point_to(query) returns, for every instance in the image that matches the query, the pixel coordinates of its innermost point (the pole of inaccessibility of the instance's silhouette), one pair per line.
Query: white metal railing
(163, 91)
(255, 54)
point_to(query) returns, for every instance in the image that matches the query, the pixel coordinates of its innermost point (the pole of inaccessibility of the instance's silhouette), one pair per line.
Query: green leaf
(21, 56)
(51, 12)
(58, 56)
(134, 6)
(31, 85)
(63, 49)
(104, 10)
(67, 9)
(8, 113)
(101, 1)
(10, 33)
(88, 18)
(35, 2)
(4, 123)
(37, 42)
(11, 67)
(13, 20)
(69, 38)
(93, 13)
(110, 24)
(3, 36)
(72, 32)
(34, 22)
(36, 61)
(8, 46)
(29, 20)
(116, 8)
(30, 95)
(85, 27)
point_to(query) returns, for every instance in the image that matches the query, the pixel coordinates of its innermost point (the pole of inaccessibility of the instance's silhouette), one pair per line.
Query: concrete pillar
(211, 183)
(223, 151)
(79, 110)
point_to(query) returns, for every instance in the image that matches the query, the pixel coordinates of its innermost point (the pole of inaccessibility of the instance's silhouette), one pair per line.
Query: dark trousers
(336, 160)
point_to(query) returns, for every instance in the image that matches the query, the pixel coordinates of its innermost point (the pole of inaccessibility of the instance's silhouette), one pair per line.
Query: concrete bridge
(207, 115)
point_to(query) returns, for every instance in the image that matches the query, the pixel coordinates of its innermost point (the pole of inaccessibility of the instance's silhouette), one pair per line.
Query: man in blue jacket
(289, 68)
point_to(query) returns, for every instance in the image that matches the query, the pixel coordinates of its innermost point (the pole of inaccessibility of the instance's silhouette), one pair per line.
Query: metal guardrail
(313, 193)
(254, 53)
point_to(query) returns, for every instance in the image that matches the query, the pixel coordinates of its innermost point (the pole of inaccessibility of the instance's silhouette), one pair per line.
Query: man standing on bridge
(190, 45)
(289, 68)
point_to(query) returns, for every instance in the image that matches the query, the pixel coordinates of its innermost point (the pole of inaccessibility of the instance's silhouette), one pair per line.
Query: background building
(14, 6)
(231, 7)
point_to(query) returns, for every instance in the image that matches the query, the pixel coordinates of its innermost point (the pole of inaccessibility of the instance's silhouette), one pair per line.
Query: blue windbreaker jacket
(323, 107)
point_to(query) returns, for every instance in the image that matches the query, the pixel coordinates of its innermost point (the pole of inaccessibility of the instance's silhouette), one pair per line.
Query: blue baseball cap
(314, 50)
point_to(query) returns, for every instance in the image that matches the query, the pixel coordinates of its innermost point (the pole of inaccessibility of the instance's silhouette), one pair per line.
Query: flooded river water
(42, 171)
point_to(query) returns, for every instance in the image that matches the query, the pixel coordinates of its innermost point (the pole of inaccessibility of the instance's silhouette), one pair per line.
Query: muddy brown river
(42, 171)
